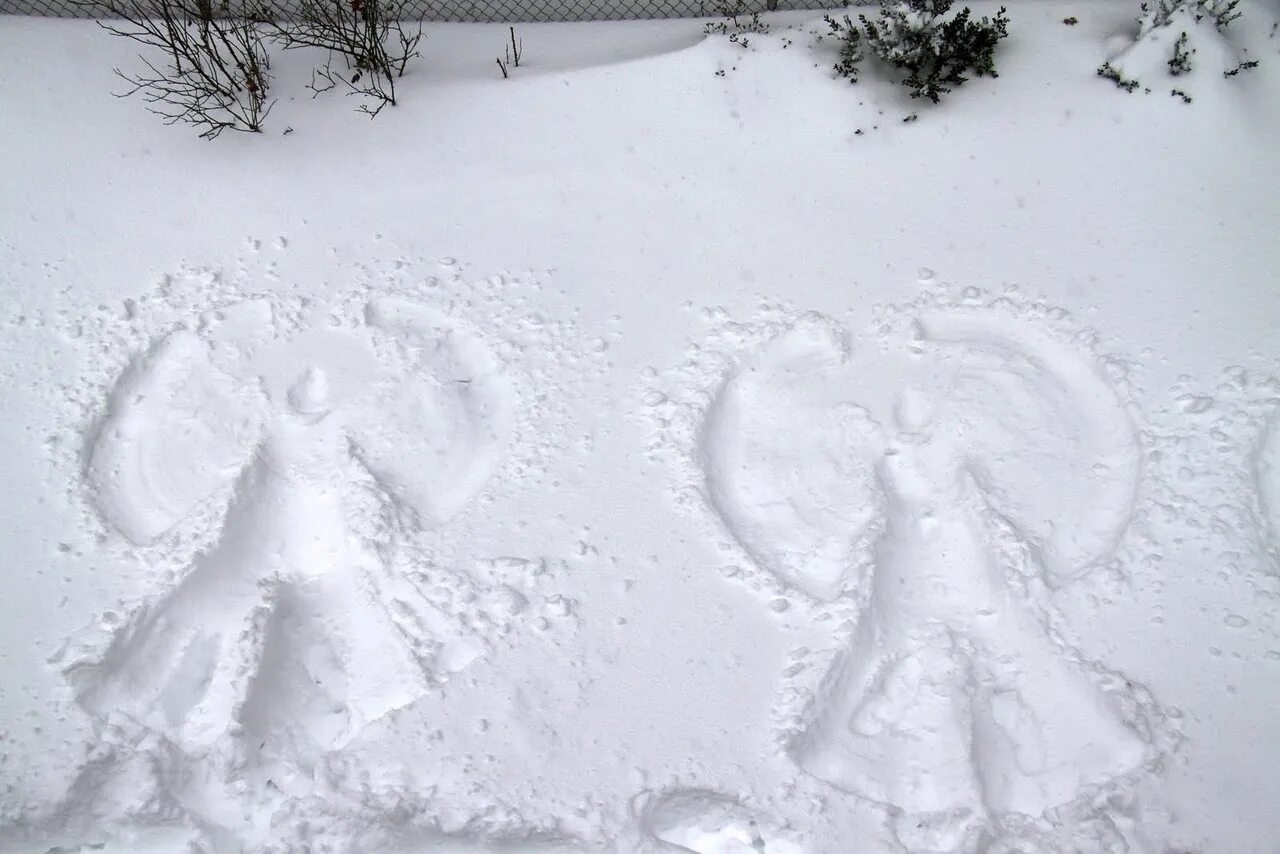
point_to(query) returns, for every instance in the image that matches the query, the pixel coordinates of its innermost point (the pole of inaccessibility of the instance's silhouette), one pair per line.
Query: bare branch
(369, 38)
(215, 74)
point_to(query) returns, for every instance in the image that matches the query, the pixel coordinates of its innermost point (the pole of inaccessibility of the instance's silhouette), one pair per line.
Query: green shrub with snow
(933, 48)
(1177, 38)
(1162, 13)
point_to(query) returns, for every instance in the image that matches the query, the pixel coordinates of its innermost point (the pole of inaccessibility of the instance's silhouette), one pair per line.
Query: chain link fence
(513, 11)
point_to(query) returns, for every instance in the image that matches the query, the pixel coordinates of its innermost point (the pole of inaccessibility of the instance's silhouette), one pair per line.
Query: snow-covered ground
(672, 447)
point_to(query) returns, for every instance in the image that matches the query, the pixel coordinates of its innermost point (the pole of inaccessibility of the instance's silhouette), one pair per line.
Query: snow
(669, 448)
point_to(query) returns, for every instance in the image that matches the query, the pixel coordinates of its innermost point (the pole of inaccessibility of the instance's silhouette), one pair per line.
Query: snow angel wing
(788, 458)
(441, 415)
(176, 430)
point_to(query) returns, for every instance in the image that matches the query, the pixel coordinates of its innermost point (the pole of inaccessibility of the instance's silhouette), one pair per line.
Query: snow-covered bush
(210, 67)
(1108, 71)
(1180, 62)
(935, 47)
(1173, 34)
(366, 36)
(852, 51)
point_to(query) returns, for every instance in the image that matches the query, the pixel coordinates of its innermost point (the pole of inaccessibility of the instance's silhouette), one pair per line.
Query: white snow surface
(670, 448)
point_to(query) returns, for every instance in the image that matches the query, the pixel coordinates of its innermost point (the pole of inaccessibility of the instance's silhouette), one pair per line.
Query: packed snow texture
(784, 467)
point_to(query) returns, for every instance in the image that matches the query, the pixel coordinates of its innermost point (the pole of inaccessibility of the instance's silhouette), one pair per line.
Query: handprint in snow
(280, 631)
(954, 702)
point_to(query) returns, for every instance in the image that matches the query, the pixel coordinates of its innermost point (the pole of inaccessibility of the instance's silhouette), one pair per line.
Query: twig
(516, 48)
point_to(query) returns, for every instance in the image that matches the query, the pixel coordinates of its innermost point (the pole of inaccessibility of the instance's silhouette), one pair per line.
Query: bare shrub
(367, 37)
(211, 68)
